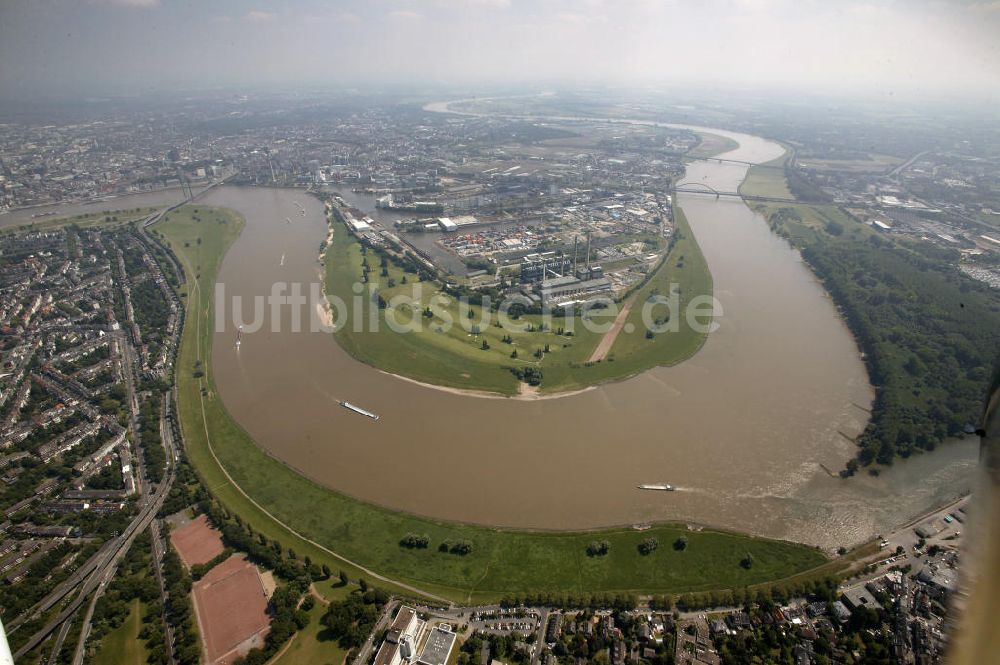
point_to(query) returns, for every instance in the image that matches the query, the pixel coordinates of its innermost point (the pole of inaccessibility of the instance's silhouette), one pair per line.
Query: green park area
(442, 341)
(315, 643)
(414, 555)
(122, 645)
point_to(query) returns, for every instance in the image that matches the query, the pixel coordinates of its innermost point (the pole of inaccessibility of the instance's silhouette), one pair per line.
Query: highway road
(103, 565)
(99, 577)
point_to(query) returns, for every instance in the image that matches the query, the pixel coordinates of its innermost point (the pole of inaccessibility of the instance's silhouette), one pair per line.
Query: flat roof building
(437, 648)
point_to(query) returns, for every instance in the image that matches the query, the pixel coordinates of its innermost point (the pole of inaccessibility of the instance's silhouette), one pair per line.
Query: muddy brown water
(743, 429)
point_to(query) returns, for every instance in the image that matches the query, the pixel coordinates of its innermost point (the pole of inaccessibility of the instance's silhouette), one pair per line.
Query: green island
(928, 334)
(401, 552)
(483, 355)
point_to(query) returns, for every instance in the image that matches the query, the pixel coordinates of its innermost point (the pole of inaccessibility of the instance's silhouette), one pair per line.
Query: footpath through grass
(465, 347)
(318, 522)
(314, 644)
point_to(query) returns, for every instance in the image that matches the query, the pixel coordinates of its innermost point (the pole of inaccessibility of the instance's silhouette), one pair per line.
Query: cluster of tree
(415, 541)
(149, 438)
(165, 256)
(460, 547)
(478, 263)
(152, 311)
(593, 646)
(406, 262)
(351, 620)
(132, 581)
(648, 546)
(598, 547)
(185, 491)
(287, 617)
(926, 330)
(504, 648)
(867, 634)
(530, 375)
(929, 335)
(108, 478)
(802, 189)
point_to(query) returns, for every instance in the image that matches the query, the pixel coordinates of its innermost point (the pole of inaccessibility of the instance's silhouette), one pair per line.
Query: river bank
(331, 527)
(565, 463)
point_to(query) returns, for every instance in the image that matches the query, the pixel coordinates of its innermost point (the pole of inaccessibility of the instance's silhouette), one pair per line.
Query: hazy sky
(52, 46)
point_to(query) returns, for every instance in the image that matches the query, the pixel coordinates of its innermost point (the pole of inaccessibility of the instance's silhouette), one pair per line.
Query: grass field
(454, 355)
(317, 522)
(313, 645)
(109, 218)
(122, 645)
(712, 145)
(764, 181)
(876, 163)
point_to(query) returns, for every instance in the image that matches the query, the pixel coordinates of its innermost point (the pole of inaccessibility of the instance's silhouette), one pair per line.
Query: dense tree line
(261, 550)
(620, 601)
(149, 437)
(928, 333)
(351, 620)
(287, 617)
(179, 611)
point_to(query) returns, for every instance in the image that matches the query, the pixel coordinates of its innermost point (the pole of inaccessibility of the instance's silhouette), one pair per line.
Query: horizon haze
(60, 48)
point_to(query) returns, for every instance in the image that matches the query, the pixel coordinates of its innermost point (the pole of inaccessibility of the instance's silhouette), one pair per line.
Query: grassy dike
(449, 355)
(319, 522)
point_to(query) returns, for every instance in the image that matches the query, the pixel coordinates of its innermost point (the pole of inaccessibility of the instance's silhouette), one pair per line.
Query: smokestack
(588, 251)
(576, 239)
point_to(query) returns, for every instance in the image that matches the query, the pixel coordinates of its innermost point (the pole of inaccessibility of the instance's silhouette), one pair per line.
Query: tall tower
(588, 252)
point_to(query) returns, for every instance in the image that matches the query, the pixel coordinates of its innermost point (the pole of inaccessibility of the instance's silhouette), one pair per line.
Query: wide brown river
(743, 428)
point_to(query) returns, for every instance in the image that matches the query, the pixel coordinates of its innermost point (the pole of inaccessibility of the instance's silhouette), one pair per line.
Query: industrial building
(563, 290)
(536, 267)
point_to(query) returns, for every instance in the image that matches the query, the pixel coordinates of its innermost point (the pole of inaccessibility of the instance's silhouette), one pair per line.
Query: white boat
(358, 409)
(662, 487)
